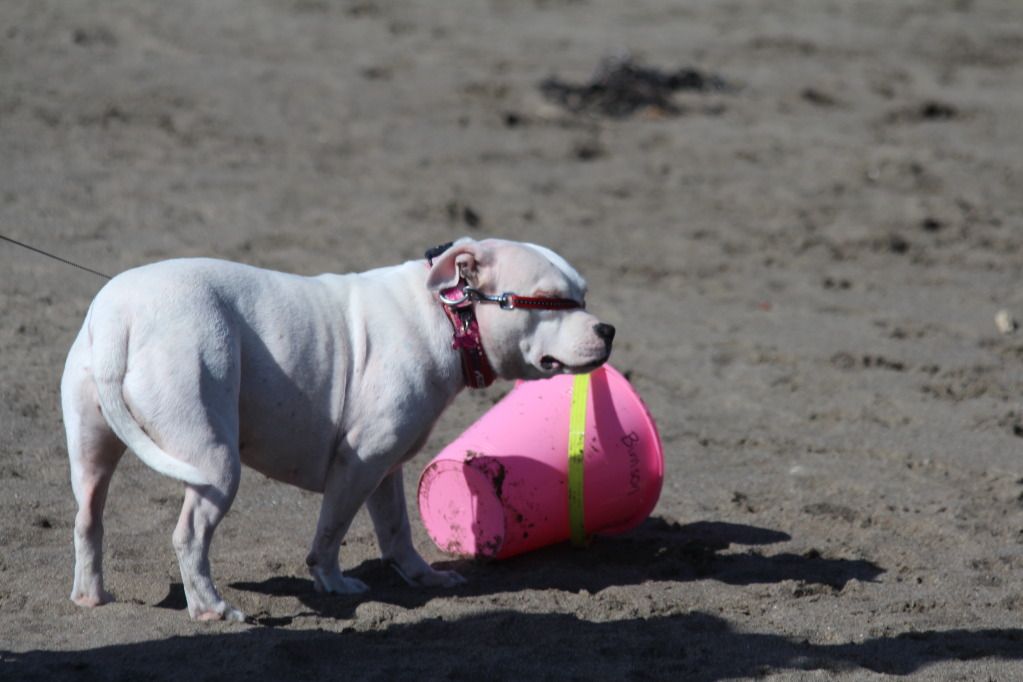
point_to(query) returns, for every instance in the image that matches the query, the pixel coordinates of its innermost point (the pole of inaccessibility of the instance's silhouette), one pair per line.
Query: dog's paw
(335, 582)
(222, 612)
(430, 577)
(92, 599)
(443, 579)
(219, 610)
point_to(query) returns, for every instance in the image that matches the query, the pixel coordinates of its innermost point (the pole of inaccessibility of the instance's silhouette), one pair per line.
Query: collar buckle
(456, 297)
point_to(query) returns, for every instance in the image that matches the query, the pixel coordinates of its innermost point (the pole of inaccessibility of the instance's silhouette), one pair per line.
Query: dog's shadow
(658, 550)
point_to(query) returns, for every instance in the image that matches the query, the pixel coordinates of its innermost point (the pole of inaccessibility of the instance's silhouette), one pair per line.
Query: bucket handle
(576, 465)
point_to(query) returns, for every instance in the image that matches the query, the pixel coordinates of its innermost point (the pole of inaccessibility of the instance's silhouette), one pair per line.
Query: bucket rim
(493, 506)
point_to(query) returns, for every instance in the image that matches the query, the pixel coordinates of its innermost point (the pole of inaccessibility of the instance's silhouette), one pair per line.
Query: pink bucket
(502, 487)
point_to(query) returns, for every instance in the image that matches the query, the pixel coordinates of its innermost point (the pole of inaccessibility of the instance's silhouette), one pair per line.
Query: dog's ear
(461, 261)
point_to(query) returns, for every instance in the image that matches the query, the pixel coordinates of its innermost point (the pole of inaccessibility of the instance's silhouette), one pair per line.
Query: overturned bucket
(555, 459)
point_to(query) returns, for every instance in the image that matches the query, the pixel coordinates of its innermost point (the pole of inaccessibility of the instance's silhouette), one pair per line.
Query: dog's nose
(605, 331)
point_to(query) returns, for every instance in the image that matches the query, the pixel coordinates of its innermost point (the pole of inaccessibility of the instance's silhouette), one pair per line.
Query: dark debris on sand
(622, 87)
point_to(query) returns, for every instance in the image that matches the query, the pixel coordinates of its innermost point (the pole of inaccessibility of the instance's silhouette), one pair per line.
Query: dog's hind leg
(182, 391)
(93, 454)
(210, 444)
(203, 509)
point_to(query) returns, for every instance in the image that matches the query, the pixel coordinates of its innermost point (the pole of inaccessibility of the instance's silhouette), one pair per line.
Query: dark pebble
(897, 244)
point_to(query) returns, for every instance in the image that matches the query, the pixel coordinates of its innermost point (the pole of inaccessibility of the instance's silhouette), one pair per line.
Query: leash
(54, 257)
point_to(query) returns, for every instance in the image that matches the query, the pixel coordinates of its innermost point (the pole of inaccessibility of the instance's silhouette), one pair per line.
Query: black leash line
(56, 258)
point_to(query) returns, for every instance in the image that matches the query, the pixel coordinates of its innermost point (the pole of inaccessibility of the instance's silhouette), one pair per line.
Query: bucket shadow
(657, 550)
(509, 645)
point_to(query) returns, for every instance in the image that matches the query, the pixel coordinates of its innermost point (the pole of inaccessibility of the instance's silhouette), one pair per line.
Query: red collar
(459, 305)
(476, 368)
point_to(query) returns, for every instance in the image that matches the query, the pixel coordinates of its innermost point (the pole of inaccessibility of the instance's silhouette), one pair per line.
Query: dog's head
(526, 343)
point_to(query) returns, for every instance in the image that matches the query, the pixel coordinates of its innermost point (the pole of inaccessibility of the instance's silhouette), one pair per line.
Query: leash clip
(505, 300)
(460, 297)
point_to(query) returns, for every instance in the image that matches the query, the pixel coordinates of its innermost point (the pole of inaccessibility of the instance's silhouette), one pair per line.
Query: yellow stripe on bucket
(576, 447)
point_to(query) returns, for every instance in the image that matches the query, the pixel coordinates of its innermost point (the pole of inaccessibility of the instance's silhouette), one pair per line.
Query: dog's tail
(109, 366)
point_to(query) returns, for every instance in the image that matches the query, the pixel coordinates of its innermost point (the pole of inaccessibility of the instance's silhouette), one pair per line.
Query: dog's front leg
(349, 482)
(390, 519)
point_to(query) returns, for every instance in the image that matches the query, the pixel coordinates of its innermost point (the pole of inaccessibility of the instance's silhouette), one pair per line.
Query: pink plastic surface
(501, 488)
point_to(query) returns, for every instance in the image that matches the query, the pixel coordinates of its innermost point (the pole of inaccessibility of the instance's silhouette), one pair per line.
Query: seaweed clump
(621, 87)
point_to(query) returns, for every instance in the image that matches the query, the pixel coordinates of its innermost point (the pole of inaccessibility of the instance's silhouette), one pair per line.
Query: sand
(804, 268)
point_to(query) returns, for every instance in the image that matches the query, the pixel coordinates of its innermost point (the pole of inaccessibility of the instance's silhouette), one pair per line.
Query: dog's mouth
(549, 363)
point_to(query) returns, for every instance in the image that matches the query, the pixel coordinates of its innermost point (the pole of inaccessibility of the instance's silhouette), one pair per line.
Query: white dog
(329, 383)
